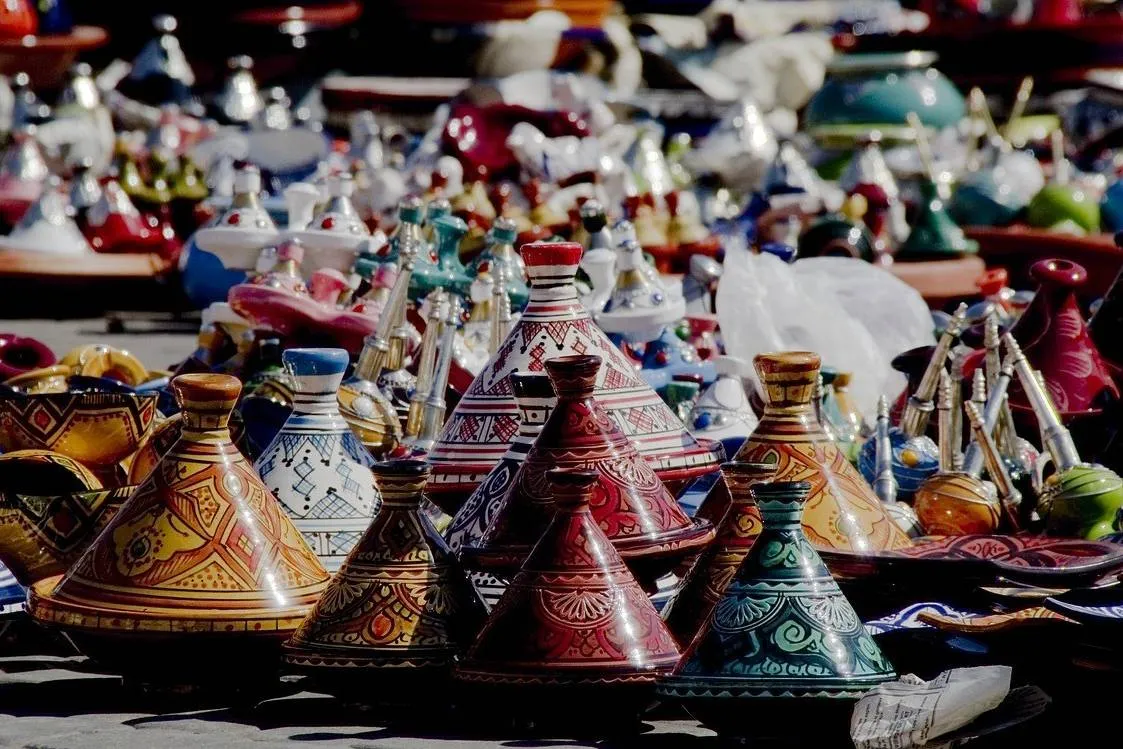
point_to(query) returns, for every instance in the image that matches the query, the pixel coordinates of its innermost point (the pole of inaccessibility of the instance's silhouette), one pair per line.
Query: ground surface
(157, 343)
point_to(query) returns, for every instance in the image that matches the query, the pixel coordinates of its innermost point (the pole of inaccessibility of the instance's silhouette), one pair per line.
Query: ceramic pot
(879, 89)
(17, 19)
(97, 429)
(201, 576)
(555, 323)
(400, 610)
(957, 504)
(536, 399)
(783, 651)
(842, 511)
(934, 234)
(316, 467)
(42, 532)
(707, 580)
(1055, 339)
(19, 354)
(632, 507)
(573, 622)
(723, 410)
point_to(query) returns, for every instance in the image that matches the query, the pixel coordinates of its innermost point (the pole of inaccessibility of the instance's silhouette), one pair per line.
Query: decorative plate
(1051, 562)
(1092, 606)
(912, 617)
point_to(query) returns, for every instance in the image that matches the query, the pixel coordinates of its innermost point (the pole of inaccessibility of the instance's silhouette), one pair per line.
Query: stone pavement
(157, 343)
(56, 702)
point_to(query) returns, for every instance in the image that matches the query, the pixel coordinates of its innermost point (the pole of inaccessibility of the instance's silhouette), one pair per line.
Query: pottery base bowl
(371, 675)
(96, 429)
(549, 700)
(792, 713)
(229, 651)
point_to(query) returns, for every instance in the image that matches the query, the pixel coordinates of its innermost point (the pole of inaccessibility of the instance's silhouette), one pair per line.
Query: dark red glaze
(573, 615)
(19, 354)
(478, 135)
(629, 503)
(1055, 339)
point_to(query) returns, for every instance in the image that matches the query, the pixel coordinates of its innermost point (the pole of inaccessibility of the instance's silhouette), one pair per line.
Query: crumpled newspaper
(912, 712)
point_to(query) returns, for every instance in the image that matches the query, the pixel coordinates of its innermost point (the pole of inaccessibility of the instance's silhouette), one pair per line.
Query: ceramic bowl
(96, 429)
(41, 534)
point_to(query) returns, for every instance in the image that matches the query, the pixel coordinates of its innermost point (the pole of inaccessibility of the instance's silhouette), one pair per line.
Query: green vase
(447, 272)
(783, 650)
(934, 234)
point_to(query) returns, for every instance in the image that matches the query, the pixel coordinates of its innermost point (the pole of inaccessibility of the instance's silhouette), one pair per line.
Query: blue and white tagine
(316, 467)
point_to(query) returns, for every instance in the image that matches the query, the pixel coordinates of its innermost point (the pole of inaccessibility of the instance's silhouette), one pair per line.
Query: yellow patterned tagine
(97, 429)
(201, 575)
(841, 511)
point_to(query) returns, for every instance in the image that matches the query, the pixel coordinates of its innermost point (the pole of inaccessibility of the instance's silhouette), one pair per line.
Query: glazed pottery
(20, 354)
(722, 411)
(877, 91)
(43, 529)
(555, 323)
(706, 581)
(113, 223)
(239, 235)
(783, 650)
(934, 234)
(842, 511)
(400, 610)
(1106, 325)
(13, 596)
(1056, 342)
(637, 308)
(950, 562)
(500, 253)
(1078, 499)
(199, 571)
(316, 467)
(667, 357)
(631, 506)
(573, 620)
(46, 227)
(335, 234)
(536, 399)
(96, 429)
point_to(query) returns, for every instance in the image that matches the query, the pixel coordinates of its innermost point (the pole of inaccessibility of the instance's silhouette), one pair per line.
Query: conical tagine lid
(707, 580)
(842, 511)
(400, 601)
(629, 502)
(535, 397)
(202, 546)
(783, 628)
(555, 323)
(573, 615)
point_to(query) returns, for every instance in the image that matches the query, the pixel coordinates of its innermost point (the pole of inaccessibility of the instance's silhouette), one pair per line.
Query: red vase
(573, 619)
(632, 507)
(706, 581)
(555, 323)
(1055, 339)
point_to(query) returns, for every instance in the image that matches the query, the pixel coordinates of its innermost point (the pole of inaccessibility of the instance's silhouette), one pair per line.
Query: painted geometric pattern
(96, 428)
(197, 529)
(44, 535)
